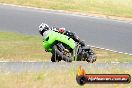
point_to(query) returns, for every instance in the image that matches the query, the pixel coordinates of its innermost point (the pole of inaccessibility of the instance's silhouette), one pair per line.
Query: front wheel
(58, 55)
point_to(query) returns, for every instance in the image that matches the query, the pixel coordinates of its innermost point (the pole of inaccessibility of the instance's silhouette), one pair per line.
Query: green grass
(106, 7)
(108, 56)
(58, 79)
(18, 47)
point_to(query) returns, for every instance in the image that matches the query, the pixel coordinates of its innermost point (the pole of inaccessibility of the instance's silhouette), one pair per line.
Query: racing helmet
(43, 27)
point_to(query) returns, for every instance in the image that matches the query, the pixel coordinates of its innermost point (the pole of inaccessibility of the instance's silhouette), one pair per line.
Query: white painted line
(48, 61)
(115, 62)
(69, 13)
(110, 50)
(22, 61)
(130, 54)
(107, 49)
(4, 61)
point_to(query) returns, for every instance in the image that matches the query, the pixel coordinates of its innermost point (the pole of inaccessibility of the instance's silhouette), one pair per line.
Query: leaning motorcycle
(65, 48)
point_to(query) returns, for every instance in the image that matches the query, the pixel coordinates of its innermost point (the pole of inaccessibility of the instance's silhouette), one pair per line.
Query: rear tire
(92, 56)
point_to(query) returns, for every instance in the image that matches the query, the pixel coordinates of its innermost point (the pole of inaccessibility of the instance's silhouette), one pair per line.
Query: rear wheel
(92, 56)
(86, 54)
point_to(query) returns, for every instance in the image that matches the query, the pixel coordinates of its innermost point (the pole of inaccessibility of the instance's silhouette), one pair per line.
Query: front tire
(53, 58)
(59, 55)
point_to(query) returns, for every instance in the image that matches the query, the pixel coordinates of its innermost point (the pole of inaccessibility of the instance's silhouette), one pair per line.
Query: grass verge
(59, 78)
(18, 47)
(121, 8)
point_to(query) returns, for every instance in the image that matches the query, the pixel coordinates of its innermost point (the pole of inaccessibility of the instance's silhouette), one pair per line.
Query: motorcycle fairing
(53, 36)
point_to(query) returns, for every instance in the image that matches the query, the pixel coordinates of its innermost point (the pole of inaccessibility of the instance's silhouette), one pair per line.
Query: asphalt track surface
(44, 66)
(100, 32)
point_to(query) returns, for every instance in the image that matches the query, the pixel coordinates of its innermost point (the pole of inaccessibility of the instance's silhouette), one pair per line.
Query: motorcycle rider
(44, 28)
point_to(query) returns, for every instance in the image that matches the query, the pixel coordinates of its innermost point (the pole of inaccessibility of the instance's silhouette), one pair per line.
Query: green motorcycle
(65, 48)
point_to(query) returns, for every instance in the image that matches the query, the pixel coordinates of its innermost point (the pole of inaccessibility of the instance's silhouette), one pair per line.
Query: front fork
(75, 53)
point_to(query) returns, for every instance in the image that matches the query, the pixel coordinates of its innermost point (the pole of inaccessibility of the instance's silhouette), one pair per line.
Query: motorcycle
(65, 48)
